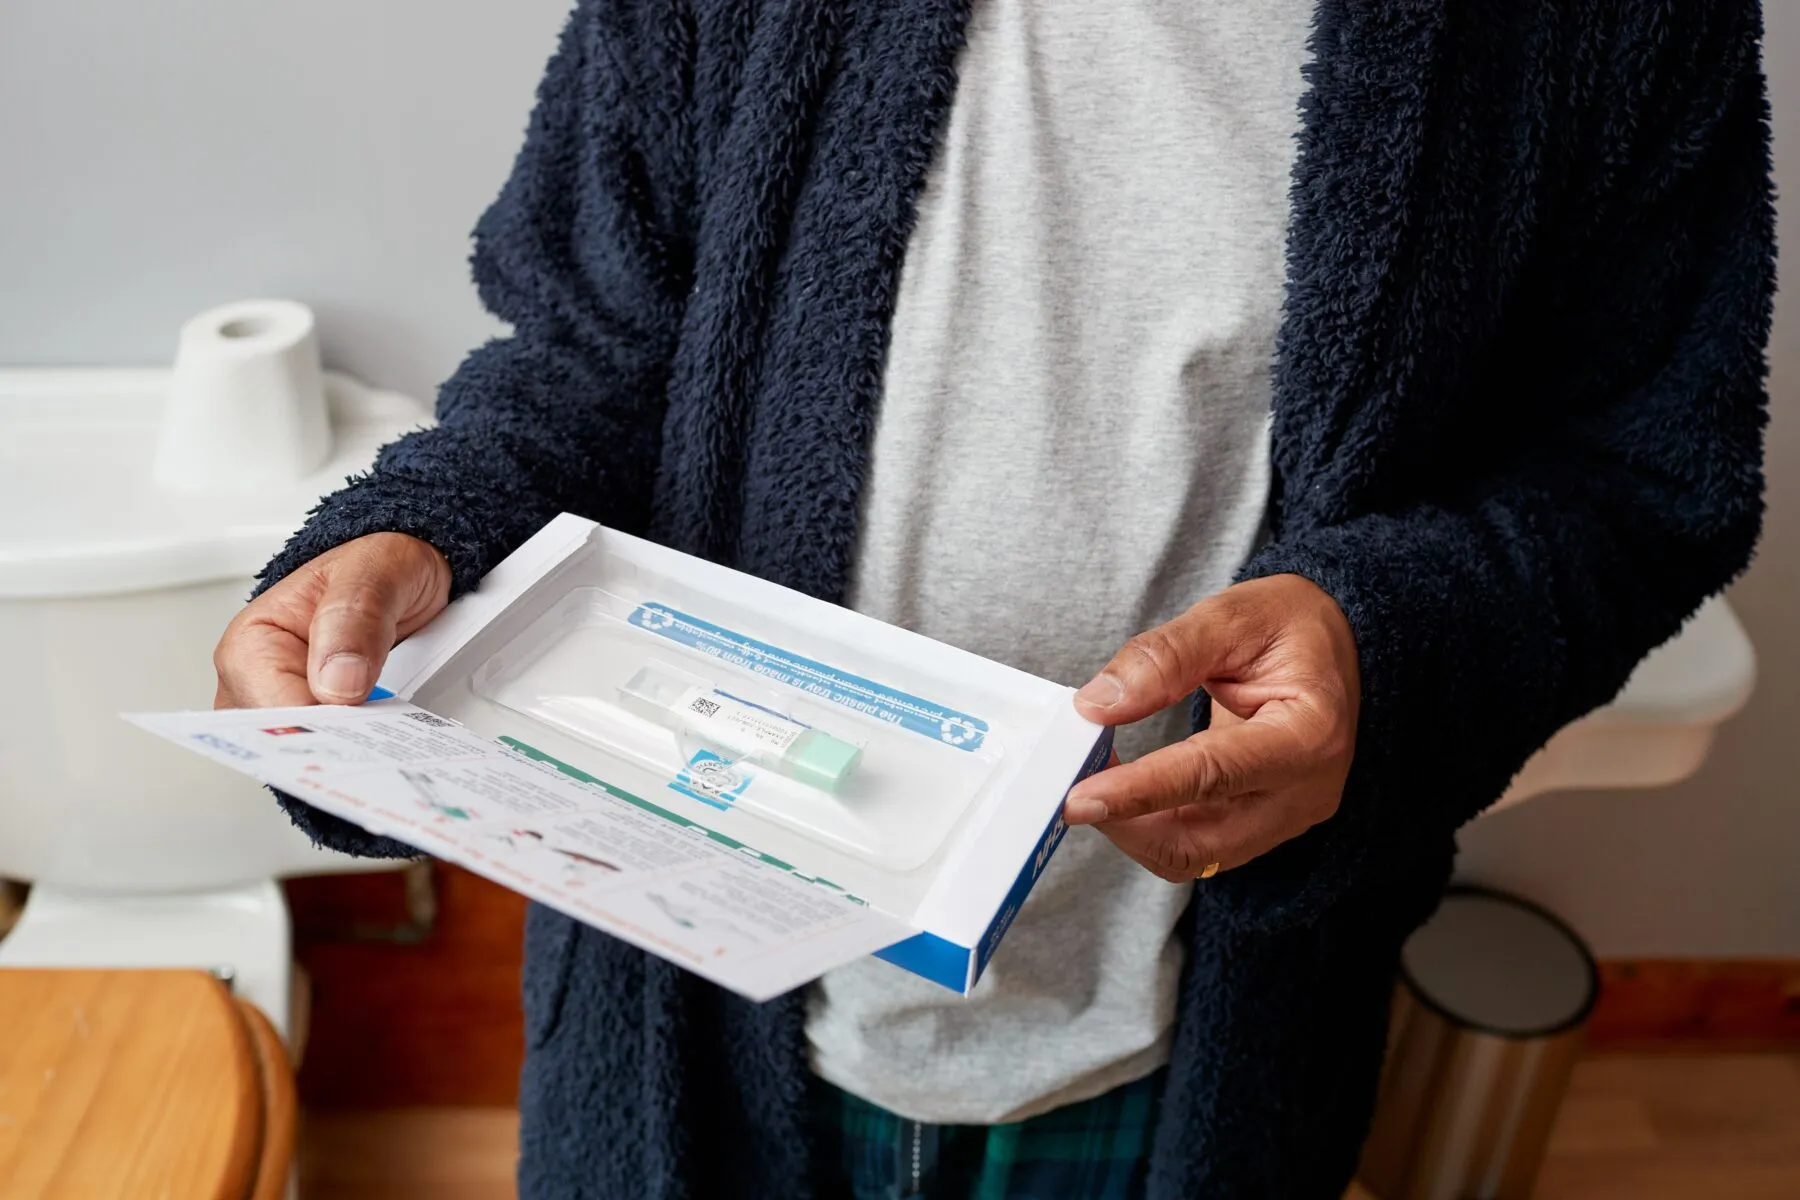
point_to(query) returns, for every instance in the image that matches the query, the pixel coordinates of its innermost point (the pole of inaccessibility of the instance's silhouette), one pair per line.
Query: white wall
(158, 158)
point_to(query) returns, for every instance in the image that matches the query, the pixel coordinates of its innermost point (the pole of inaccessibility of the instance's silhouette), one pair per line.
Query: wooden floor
(1702, 1127)
(1665, 1127)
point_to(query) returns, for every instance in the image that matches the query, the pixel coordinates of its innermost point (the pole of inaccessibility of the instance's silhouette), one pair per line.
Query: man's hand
(1279, 661)
(322, 633)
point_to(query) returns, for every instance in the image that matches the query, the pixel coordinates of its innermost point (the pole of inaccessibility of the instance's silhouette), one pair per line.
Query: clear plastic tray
(815, 743)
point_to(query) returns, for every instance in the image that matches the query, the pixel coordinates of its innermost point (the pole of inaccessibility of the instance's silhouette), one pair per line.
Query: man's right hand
(321, 635)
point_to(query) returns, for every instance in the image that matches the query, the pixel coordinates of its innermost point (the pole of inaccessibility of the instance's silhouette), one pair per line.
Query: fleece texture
(1518, 418)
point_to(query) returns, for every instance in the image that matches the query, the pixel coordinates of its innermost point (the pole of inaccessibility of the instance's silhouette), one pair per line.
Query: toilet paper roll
(246, 402)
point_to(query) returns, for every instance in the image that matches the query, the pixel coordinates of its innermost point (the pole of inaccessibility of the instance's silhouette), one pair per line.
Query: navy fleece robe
(1518, 414)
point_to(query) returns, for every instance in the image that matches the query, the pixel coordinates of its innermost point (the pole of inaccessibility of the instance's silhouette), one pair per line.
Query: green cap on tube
(820, 760)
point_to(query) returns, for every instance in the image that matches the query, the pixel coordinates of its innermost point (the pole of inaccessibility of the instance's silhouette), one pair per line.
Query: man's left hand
(1279, 661)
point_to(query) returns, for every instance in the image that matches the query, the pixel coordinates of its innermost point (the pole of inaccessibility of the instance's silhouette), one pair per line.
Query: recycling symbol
(956, 731)
(655, 618)
(714, 776)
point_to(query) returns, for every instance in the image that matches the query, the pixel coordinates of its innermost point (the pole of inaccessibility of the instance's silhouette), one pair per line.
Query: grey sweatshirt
(1072, 447)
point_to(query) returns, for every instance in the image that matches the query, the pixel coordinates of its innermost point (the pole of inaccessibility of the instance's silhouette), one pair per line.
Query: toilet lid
(126, 1083)
(80, 514)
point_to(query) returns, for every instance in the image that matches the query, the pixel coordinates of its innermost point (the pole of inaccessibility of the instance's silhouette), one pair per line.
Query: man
(1033, 328)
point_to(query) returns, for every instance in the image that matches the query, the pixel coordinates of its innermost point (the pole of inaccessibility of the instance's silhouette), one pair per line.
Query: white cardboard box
(491, 743)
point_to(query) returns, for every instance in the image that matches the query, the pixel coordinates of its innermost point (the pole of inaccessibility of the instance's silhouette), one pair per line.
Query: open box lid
(739, 898)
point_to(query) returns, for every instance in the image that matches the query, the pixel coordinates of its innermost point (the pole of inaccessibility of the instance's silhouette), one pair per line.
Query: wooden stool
(126, 1084)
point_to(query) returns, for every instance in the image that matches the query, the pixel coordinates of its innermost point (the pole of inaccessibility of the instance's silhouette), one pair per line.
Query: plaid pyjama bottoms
(1095, 1150)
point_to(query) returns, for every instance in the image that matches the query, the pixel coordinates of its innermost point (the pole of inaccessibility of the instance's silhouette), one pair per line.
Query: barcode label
(735, 726)
(432, 719)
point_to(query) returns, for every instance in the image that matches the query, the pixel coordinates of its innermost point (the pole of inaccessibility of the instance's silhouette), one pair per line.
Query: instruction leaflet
(742, 919)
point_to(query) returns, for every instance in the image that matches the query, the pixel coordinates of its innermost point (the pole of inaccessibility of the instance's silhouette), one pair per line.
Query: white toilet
(135, 508)
(1658, 730)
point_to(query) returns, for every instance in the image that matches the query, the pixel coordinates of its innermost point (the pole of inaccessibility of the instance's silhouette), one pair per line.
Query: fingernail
(1084, 810)
(344, 677)
(1102, 691)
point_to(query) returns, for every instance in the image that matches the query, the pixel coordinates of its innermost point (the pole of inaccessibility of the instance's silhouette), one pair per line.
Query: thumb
(373, 596)
(1162, 666)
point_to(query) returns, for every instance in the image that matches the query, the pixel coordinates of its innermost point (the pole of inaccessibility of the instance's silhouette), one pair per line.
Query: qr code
(425, 718)
(703, 706)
